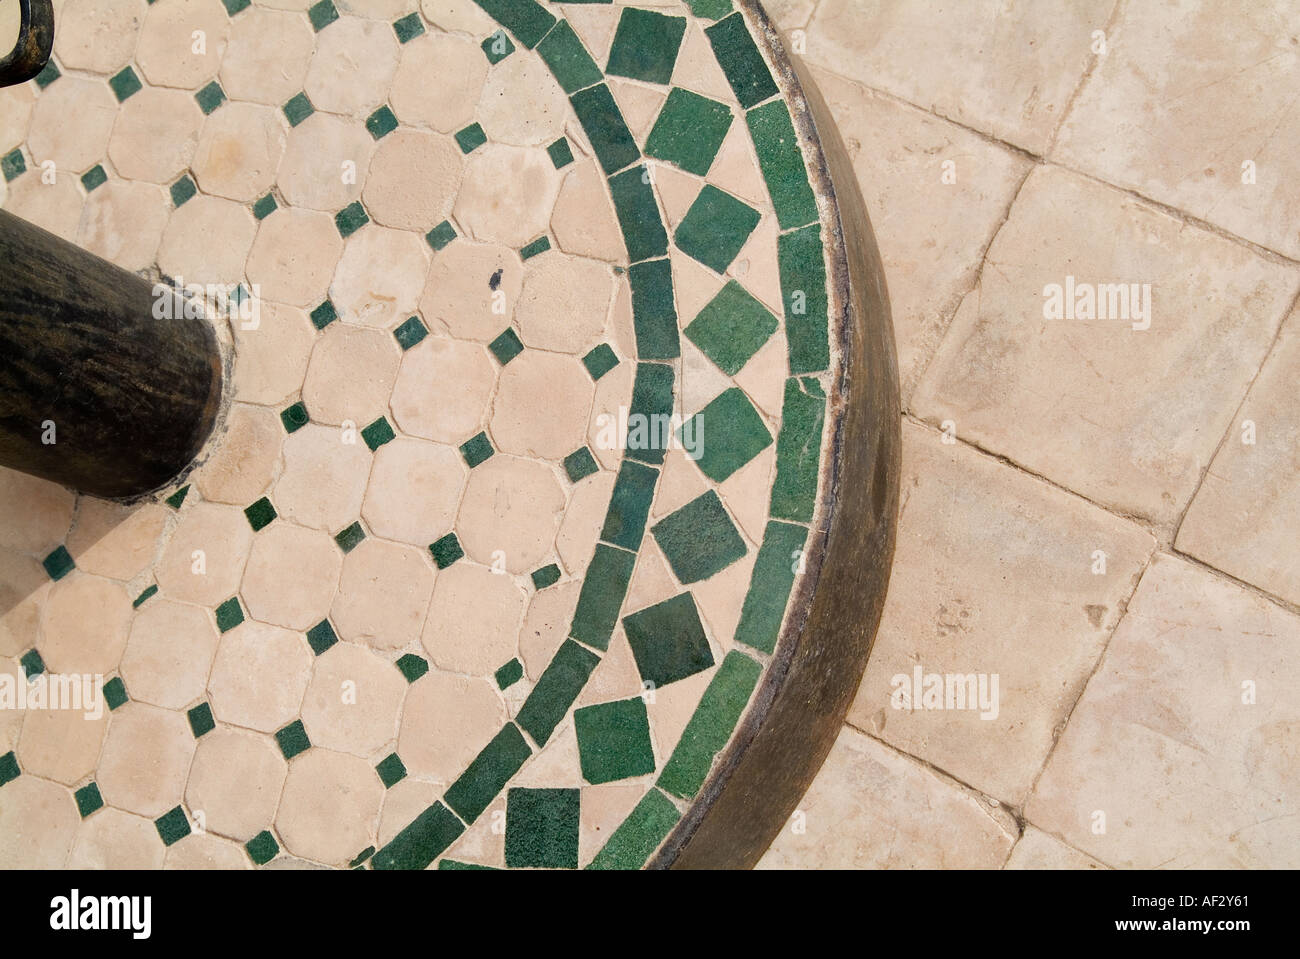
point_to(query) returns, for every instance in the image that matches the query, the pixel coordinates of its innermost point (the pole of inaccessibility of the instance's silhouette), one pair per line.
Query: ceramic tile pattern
(433, 568)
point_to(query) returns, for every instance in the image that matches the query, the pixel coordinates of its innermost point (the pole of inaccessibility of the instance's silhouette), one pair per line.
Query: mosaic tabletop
(526, 312)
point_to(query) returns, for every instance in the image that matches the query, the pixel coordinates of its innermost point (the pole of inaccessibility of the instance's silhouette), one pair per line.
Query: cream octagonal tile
(474, 619)
(472, 289)
(156, 135)
(182, 42)
(98, 35)
(169, 654)
(446, 106)
(291, 576)
(267, 56)
(414, 490)
(563, 303)
(205, 556)
(294, 256)
(239, 151)
(259, 677)
(354, 701)
(330, 808)
(117, 840)
(325, 162)
(353, 66)
(380, 277)
(510, 513)
(507, 194)
(241, 469)
(324, 478)
(72, 123)
(123, 222)
(406, 158)
(542, 405)
(207, 241)
(383, 594)
(350, 375)
(446, 721)
(442, 389)
(86, 622)
(62, 744)
(236, 806)
(271, 358)
(146, 758)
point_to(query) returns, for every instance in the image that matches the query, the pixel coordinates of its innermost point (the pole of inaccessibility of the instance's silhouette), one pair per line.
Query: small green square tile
(494, 766)
(261, 514)
(548, 575)
(769, 586)
(115, 693)
(298, 108)
(410, 332)
(668, 641)
(798, 452)
(580, 464)
(645, 45)
(9, 770)
(408, 27)
(292, 739)
(262, 848)
(699, 539)
(638, 215)
(412, 667)
(509, 674)
(173, 826)
(201, 720)
(731, 432)
(420, 843)
(322, 15)
(351, 218)
(731, 328)
(779, 157)
(148, 593)
(614, 741)
(59, 563)
(539, 245)
(32, 663)
(125, 83)
(601, 596)
(88, 799)
(183, 190)
(568, 59)
(497, 47)
(711, 725)
(476, 449)
(265, 207)
(49, 73)
(650, 414)
(715, 228)
(350, 538)
(629, 504)
(294, 418)
(210, 97)
(506, 346)
(542, 828)
(229, 614)
(470, 138)
(639, 834)
(605, 127)
(321, 637)
(654, 313)
(378, 433)
(560, 153)
(735, 50)
(391, 770)
(381, 123)
(177, 498)
(600, 360)
(236, 6)
(324, 315)
(446, 551)
(440, 235)
(94, 177)
(689, 131)
(556, 690)
(12, 164)
(801, 264)
(528, 20)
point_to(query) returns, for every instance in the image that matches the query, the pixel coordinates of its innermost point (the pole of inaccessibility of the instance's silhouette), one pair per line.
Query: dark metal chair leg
(35, 43)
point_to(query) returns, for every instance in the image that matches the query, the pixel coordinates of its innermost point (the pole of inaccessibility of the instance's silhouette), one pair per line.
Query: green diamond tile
(494, 766)
(322, 15)
(603, 123)
(509, 674)
(260, 514)
(506, 346)
(730, 431)
(782, 164)
(668, 641)
(49, 73)
(440, 235)
(391, 770)
(649, 415)
(9, 770)
(408, 27)
(350, 538)
(420, 843)
(539, 245)
(711, 725)
(802, 267)
(645, 45)
(125, 84)
(548, 575)
(639, 834)
(601, 596)
(12, 164)
(580, 464)
(145, 595)
(236, 6)
(229, 614)
(542, 828)
(740, 60)
(115, 693)
(556, 690)
(528, 20)
(294, 417)
(94, 177)
(560, 153)
(470, 138)
(654, 315)
(201, 720)
(292, 739)
(32, 663)
(614, 741)
(210, 97)
(412, 667)
(172, 826)
(568, 59)
(378, 433)
(629, 505)
(59, 563)
(689, 131)
(324, 315)
(476, 449)
(710, 9)
(381, 123)
(410, 332)
(638, 215)
(299, 108)
(88, 799)
(446, 551)
(497, 47)
(699, 539)
(265, 207)
(715, 228)
(731, 328)
(321, 637)
(798, 451)
(351, 218)
(600, 361)
(183, 190)
(769, 588)
(262, 848)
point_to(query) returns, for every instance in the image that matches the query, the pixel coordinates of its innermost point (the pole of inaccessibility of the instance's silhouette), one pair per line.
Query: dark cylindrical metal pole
(99, 389)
